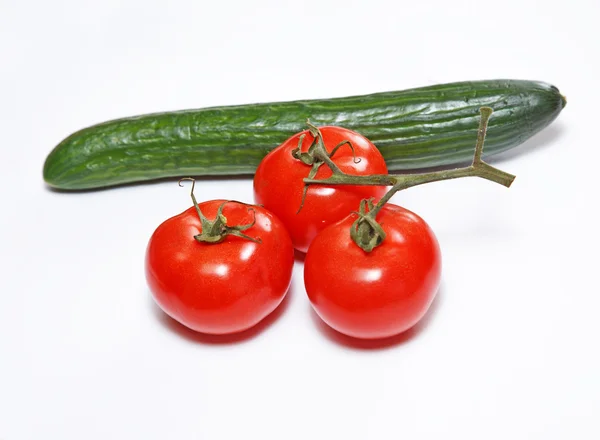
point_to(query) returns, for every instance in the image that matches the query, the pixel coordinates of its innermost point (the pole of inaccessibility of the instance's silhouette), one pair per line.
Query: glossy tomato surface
(225, 287)
(278, 183)
(377, 294)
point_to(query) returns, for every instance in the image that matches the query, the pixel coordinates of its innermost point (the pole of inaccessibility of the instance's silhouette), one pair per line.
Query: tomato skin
(225, 287)
(278, 183)
(378, 294)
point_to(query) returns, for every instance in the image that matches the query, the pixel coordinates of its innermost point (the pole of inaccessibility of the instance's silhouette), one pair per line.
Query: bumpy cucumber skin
(416, 128)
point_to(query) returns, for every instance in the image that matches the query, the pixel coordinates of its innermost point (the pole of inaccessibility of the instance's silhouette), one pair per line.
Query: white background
(508, 351)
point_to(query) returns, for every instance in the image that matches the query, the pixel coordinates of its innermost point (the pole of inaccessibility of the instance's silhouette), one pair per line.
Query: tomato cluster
(371, 269)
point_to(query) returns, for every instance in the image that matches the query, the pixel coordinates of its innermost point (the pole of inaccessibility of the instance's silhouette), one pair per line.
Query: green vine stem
(366, 232)
(317, 155)
(215, 231)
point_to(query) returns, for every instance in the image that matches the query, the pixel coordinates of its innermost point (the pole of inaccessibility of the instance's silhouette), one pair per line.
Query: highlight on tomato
(313, 153)
(220, 266)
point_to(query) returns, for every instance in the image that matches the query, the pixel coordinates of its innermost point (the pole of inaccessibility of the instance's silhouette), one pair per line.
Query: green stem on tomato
(317, 155)
(215, 231)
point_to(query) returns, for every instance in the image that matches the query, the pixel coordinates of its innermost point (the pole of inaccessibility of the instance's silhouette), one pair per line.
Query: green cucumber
(417, 128)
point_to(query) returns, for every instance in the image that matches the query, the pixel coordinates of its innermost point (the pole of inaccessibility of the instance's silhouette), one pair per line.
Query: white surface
(510, 348)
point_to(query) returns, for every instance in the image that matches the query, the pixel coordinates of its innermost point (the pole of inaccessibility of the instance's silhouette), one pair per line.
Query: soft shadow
(540, 141)
(201, 338)
(378, 344)
(199, 179)
(299, 256)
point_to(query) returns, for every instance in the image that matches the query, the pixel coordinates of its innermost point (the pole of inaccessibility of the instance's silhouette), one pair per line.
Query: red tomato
(278, 183)
(377, 294)
(223, 287)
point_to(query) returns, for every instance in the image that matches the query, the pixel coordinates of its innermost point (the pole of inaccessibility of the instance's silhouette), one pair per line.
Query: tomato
(223, 287)
(278, 183)
(374, 294)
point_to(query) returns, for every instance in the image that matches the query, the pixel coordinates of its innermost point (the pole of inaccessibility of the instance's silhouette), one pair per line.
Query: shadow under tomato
(202, 338)
(378, 344)
(299, 256)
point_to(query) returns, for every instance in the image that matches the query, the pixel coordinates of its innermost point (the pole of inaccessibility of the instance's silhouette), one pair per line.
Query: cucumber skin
(417, 128)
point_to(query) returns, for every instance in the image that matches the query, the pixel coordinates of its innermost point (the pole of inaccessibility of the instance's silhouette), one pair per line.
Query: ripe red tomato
(278, 183)
(223, 287)
(374, 294)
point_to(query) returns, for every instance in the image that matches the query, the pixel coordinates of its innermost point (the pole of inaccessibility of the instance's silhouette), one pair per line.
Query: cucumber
(417, 128)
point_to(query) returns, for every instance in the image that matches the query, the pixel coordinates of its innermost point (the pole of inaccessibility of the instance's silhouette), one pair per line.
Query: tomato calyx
(317, 155)
(215, 231)
(365, 231)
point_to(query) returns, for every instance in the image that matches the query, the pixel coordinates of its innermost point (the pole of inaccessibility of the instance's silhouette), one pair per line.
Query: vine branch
(368, 211)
